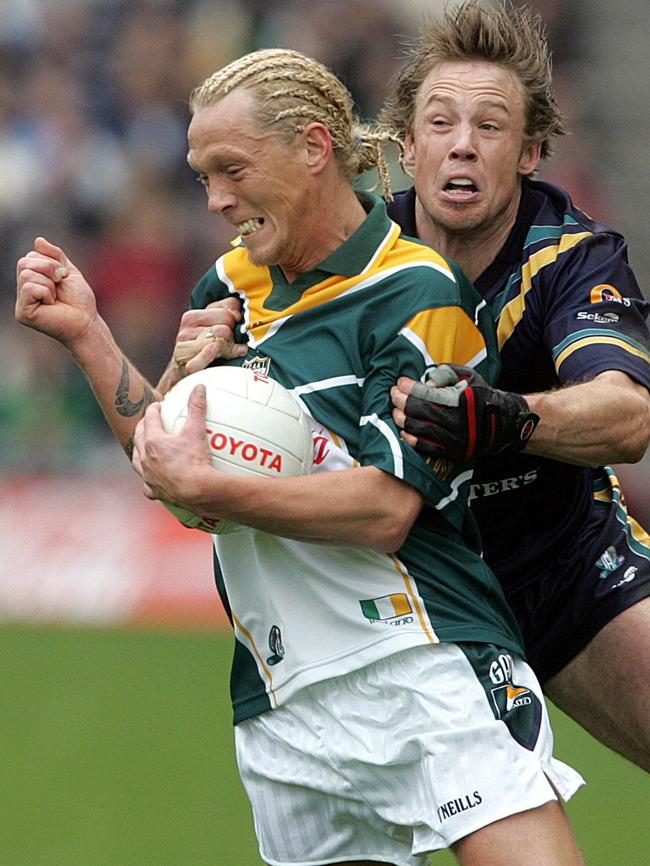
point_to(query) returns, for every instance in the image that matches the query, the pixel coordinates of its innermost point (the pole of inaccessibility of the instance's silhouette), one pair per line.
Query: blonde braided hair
(293, 90)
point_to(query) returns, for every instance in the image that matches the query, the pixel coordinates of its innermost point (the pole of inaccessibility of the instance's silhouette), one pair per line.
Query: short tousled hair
(292, 90)
(507, 34)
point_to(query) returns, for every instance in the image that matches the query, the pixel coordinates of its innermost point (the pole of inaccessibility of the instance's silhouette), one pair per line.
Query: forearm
(121, 390)
(593, 423)
(363, 507)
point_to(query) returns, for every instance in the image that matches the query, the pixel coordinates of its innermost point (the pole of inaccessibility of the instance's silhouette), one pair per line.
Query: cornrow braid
(293, 90)
(370, 143)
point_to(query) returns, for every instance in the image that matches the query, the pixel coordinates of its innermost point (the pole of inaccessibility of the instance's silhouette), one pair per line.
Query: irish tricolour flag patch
(386, 607)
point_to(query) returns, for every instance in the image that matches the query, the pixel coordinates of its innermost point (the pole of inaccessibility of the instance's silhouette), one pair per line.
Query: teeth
(462, 181)
(249, 226)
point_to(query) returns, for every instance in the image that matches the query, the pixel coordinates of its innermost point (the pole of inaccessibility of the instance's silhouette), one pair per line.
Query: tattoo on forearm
(123, 405)
(128, 447)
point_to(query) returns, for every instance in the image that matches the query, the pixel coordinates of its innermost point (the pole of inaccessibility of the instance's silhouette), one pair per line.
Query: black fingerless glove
(462, 417)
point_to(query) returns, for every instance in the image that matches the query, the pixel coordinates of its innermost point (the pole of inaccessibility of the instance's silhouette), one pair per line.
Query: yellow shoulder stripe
(600, 340)
(446, 335)
(254, 283)
(513, 312)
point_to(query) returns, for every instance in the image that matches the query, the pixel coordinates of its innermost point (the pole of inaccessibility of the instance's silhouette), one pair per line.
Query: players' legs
(406, 756)
(606, 687)
(549, 840)
(531, 838)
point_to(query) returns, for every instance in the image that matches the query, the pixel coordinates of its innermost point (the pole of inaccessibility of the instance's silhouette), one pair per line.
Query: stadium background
(115, 736)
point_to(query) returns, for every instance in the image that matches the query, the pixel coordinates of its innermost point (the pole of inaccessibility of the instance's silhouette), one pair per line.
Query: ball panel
(254, 426)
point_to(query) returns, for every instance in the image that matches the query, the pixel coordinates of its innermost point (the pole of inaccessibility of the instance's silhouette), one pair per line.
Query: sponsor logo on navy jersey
(502, 485)
(602, 293)
(599, 318)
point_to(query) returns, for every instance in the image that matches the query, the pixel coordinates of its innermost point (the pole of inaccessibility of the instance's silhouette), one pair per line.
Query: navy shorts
(563, 609)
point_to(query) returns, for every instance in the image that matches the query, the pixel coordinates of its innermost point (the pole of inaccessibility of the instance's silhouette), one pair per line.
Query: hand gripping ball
(254, 426)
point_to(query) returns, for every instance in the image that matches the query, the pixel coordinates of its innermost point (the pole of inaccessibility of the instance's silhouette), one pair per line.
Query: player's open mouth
(249, 226)
(461, 187)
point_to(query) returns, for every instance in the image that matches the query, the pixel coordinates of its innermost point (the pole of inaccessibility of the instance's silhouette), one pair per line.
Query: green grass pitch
(116, 749)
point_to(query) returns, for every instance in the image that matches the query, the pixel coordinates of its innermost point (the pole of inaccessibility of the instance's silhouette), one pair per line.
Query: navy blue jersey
(567, 307)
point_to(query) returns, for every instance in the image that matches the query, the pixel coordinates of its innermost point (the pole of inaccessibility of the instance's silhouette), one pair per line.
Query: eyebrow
(489, 103)
(216, 160)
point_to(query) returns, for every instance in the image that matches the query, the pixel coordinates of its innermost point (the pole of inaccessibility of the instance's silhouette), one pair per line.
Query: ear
(318, 147)
(409, 148)
(530, 157)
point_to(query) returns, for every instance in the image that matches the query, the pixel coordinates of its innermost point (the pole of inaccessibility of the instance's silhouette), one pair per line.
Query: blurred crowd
(93, 115)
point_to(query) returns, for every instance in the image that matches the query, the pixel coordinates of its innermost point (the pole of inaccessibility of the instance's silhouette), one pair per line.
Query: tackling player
(475, 110)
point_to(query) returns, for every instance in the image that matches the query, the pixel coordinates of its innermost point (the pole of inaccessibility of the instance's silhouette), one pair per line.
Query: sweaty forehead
(473, 81)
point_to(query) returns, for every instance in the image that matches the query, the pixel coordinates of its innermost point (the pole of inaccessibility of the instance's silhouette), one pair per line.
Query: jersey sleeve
(595, 313)
(461, 333)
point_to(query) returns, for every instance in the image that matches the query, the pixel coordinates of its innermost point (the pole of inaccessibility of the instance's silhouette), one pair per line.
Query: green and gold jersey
(381, 306)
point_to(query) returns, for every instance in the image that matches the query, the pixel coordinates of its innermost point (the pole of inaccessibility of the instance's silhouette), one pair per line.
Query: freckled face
(258, 183)
(467, 146)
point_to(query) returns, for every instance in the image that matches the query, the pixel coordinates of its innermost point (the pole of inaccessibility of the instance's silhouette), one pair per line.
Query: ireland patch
(386, 607)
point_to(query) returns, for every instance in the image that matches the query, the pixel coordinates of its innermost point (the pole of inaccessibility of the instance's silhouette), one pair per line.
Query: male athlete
(382, 707)
(475, 110)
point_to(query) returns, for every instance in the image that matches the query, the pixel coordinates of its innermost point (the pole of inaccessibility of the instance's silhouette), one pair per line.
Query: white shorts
(400, 758)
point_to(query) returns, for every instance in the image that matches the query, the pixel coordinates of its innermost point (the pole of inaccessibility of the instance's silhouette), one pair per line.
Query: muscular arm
(121, 390)
(603, 421)
(362, 507)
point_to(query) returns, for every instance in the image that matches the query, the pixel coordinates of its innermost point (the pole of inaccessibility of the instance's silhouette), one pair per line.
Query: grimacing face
(258, 183)
(467, 146)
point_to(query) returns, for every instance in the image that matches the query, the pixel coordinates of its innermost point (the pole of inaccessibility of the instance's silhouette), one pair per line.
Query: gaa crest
(259, 364)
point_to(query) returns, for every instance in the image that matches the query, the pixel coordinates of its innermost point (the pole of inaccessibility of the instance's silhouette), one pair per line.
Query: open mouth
(249, 226)
(460, 187)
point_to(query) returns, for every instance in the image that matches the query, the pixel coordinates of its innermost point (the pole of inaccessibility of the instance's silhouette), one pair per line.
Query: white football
(254, 426)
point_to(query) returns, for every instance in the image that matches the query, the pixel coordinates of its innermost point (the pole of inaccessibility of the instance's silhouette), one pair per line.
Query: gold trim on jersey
(638, 532)
(600, 340)
(514, 310)
(254, 284)
(249, 637)
(415, 600)
(388, 241)
(606, 495)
